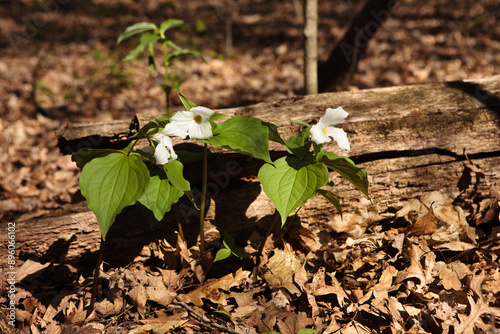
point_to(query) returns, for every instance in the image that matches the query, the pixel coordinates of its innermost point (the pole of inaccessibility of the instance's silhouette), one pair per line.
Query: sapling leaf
(170, 23)
(183, 52)
(348, 170)
(112, 183)
(291, 182)
(147, 40)
(222, 254)
(242, 134)
(332, 198)
(136, 28)
(160, 195)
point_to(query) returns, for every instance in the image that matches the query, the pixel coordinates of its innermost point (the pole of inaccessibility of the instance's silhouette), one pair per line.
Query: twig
(201, 317)
(97, 271)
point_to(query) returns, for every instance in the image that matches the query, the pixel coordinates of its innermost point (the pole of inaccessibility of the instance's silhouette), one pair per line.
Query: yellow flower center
(325, 131)
(197, 119)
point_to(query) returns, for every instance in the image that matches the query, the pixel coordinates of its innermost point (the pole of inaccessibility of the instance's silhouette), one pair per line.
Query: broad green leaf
(332, 198)
(110, 184)
(222, 254)
(170, 23)
(146, 41)
(299, 145)
(348, 170)
(136, 28)
(160, 195)
(306, 331)
(85, 155)
(274, 135)
(243, 134)
(175, 175)
(186, 102)
(291, 182)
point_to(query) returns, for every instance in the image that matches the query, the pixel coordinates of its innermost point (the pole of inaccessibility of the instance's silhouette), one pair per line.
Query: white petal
(317, 134)
(205, 113)
(164, 152)
(182, 119)
(200, 131)
(161, 155)
(334, 116)
(340, 136)
(174, 130)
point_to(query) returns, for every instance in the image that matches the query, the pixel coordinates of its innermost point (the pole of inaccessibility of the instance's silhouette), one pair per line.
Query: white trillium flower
(164, 152)
(194, 123)
(321, 132)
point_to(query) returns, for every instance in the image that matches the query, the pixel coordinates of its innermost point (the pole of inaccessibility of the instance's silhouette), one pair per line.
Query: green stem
(165, 82)
(203, 199)
(179, 224)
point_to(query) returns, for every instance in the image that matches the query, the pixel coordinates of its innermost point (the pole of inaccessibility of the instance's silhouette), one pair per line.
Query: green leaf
(147, 41)
(175, 175)
(110, 184)
(348, 170)
(299, 145)
(152, 127)
(160, 195)
(332, 198)
(306, 331)
(170, 23)
(134, 29)
(85, 155)
(301, 122)
(186, 102)
(242, 134)
(230, 244)
(291, 182)
(222, 254)
(183, 52)
(274, 135)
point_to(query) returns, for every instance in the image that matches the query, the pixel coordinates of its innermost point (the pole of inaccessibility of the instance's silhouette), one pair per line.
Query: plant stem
(179, 224)
(203, 199)
(97, 271)
(165, 82)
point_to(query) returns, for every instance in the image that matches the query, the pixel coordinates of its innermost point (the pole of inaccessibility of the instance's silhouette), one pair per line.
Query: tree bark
(337, 71)
(311, 47)
(412, 140)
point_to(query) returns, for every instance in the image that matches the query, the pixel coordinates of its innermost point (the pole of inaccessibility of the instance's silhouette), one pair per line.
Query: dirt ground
(60, 64)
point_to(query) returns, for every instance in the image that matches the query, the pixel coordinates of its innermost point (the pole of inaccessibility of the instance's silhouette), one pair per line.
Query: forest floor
(60, 65)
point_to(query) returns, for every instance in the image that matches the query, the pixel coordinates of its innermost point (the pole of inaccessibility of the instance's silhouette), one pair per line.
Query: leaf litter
(432, 267)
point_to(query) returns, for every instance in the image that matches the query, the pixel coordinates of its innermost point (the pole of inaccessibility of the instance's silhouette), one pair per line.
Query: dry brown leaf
(415, 269)
(281, 268)
(139, 297)
(467, 323)
(291, 323)
(424, 225)
(158, 292)
(355, 224)
(215, 290)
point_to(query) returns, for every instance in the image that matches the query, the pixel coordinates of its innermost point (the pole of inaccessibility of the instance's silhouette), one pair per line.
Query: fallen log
(412, 140)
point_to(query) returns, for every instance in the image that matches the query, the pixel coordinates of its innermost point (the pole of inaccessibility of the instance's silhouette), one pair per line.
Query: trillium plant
(152, 177)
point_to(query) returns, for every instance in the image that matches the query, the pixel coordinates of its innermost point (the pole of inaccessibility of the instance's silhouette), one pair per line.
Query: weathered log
(411, 139)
